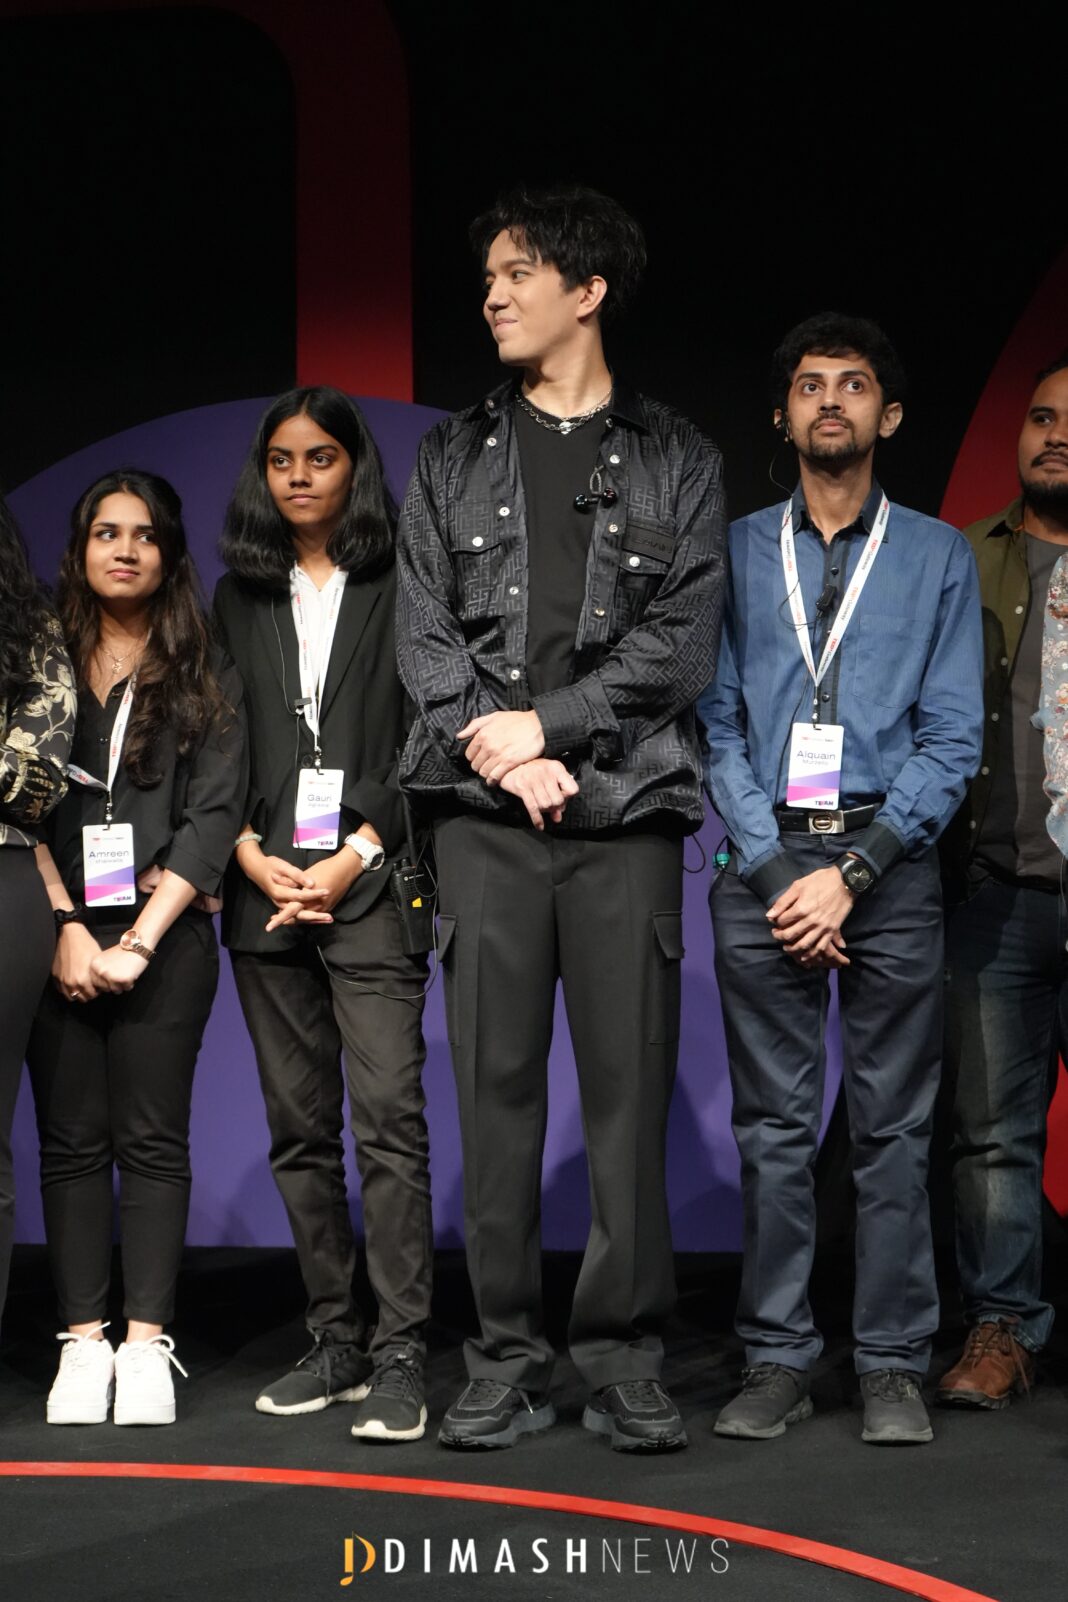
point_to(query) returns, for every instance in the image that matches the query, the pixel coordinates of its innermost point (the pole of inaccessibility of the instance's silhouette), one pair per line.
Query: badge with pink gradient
(815, 774)
(108, 864)
(318, 808)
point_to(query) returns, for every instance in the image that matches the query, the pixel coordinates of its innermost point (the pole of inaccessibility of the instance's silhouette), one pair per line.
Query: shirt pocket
(889, 656)
(646, 552)
(478, 554)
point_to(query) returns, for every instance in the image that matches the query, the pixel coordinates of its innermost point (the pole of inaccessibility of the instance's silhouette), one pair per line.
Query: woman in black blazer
(158, 779)
(306, 611)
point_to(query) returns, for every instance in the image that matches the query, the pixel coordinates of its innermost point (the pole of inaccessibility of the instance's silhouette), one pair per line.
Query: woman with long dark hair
(135, 855)
(37, 705)
(306, 611)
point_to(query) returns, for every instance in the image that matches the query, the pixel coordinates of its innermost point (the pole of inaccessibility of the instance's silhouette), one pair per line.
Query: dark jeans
(521, 910)
(112, 1084)
(28, 941)
(300, 1016)
(1006, 1022)
(890, 1004)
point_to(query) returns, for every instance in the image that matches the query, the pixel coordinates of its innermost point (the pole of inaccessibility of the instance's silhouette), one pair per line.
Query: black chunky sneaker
(637, 1416)
(489, 1414)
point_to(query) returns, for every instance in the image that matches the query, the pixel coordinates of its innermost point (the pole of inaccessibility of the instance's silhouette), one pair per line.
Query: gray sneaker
(894, 1414)
(771, 1397)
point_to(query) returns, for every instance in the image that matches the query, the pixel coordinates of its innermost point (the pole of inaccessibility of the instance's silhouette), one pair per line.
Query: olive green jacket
(1005, 591)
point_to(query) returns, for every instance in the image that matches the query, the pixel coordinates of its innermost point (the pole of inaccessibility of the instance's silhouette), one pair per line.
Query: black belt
(799, 820)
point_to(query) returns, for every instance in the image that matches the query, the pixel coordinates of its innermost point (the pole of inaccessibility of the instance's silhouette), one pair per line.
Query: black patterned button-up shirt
(648, 629)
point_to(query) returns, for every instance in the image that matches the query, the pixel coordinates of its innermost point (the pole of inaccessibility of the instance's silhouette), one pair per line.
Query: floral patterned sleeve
(36, 732)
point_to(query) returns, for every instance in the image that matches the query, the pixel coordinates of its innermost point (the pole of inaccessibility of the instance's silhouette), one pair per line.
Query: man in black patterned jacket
(561, 571)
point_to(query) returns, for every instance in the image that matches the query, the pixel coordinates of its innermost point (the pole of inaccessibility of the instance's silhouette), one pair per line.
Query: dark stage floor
(977, 1512)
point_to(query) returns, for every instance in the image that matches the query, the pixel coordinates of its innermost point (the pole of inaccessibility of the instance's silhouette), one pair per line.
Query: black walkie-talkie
(413, 891)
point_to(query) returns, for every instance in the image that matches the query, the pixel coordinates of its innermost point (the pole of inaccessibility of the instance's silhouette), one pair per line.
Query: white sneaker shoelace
(139, 1354)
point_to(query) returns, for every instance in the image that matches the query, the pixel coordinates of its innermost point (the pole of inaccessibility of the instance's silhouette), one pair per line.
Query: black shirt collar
(862, 524)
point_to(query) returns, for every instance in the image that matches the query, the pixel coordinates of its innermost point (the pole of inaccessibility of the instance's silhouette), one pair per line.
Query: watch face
(857, 875)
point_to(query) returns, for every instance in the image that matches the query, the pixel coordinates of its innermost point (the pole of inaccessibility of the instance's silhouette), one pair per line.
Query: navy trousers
(890, 1004)
(1006, 1023)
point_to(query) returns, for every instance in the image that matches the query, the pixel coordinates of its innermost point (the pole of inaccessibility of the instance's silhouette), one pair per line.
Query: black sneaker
(393, 1409)
(637, 1416)
(894, 1414)
(330, 1372)
(771, 1397)
(492, 1414)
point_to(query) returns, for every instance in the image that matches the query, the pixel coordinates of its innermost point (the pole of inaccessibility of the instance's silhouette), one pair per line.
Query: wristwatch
(856, 875)
(131, 941)
(372, 856)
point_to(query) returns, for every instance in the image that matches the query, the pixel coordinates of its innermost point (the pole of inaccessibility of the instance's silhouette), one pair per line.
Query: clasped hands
(505, 748)
(302, 896)
(807, 919)
(81, 970)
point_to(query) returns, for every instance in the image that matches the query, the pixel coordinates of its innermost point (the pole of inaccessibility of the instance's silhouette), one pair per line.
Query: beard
(1045, 495)
(839, 451)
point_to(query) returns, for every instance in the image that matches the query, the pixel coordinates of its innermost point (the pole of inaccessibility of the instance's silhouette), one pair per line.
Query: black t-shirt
(1014, 841)
(555, 468)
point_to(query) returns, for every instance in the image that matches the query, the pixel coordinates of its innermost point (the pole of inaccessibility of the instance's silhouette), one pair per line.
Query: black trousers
(519, 911)
(112, 1084)
(890, 1004)
(300, 1014)
(27, 947)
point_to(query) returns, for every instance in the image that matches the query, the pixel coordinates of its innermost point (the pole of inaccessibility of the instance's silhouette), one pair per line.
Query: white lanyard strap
(852, 594)
(313, 675)
(118, 736)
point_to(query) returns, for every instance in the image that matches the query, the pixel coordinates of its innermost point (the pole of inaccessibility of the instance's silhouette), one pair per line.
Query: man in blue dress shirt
(842, 727)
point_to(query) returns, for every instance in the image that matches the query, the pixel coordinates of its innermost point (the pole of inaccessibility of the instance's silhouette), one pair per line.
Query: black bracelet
(65, 915)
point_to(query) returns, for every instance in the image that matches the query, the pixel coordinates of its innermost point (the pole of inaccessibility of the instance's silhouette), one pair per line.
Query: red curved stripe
(910, 1581)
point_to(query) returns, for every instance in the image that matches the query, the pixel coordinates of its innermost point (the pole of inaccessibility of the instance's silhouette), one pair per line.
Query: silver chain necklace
(561, 425)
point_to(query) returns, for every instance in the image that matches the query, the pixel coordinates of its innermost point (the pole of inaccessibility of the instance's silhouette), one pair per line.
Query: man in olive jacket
(1007, 999)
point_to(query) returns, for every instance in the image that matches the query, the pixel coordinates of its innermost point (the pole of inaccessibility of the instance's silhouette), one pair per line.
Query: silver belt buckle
(826, 823)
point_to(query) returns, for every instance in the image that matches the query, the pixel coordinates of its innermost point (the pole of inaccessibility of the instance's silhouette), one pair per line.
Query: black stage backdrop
(781, 163)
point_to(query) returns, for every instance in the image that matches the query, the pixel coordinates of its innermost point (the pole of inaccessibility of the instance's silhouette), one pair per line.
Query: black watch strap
(65, 915)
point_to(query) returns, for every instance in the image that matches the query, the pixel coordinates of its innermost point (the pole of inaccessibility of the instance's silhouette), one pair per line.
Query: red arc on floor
(908, 1581)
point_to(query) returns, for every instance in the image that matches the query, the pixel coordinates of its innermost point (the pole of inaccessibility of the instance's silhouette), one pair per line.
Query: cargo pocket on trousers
(448, 958)
(665, 974)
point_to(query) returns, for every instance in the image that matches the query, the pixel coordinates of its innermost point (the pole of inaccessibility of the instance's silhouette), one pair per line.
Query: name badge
(108, 865)
(318, 808)
(815, 774)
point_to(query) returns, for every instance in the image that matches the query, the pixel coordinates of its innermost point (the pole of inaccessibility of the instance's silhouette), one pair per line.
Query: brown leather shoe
(992, 1367)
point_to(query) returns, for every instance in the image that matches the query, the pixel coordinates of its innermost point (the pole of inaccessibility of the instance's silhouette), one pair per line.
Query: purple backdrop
(234, 1199)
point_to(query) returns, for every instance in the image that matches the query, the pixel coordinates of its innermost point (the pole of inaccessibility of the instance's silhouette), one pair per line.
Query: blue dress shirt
(906, 684)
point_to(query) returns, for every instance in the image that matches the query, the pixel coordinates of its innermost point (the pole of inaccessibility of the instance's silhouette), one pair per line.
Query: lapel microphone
(827, 599)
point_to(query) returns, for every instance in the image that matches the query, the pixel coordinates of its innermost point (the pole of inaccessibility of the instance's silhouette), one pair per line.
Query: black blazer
(363, 722)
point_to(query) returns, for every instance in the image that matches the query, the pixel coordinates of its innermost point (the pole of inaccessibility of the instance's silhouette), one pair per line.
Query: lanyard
(118, 735)
(313, 679)
(852, 594)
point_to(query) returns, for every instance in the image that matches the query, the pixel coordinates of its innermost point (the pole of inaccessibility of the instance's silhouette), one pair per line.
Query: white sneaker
(144, 1390)
(86, 1380)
